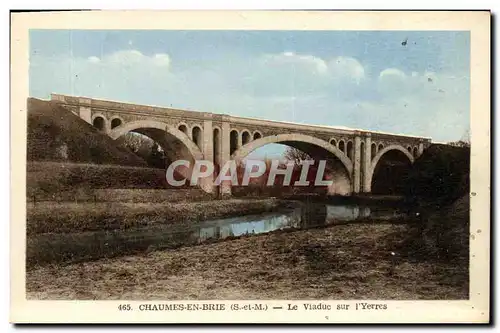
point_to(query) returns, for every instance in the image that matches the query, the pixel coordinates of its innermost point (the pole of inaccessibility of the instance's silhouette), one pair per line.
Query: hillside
(55, 134)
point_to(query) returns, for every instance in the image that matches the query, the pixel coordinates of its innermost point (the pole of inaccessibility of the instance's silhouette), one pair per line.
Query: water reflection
(310, 215)
(96, 244)
(247, 225)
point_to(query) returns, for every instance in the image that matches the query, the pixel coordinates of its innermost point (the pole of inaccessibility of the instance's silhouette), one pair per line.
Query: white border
(351, 5)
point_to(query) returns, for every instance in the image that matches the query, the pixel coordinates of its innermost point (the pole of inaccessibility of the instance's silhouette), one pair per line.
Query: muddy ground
(341, 262)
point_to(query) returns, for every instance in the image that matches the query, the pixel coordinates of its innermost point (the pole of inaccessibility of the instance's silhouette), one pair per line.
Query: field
(351, 261)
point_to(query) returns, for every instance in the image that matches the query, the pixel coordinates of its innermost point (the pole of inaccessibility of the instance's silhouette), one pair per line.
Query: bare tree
(463, 142)
(296, 155)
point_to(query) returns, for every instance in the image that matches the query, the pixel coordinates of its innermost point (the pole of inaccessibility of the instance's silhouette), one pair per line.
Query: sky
(404, 82)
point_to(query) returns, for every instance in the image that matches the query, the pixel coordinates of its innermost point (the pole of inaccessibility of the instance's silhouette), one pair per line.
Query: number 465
(124, 307)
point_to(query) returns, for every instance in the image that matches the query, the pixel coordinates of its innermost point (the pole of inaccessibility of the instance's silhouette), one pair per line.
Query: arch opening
(99, 123)
(333, 142)
(338, 167)
(391, 172)
(380, 147)
(115, 122)
(216, 143)
(342, 146)
(415, 152)
(196, 133)
(245, 137)
(349, 150)
(374, 150)
(257, 135)
(290, 151)
(183, 128)
(233, 141)
(174, 143)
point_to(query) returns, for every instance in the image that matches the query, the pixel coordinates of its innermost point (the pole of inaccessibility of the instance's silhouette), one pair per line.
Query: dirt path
(342, 262)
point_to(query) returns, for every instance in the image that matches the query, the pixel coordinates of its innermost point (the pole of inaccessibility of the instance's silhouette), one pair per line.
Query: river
(106, 243)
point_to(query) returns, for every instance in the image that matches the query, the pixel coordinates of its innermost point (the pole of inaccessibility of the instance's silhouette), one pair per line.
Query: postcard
(250, 167)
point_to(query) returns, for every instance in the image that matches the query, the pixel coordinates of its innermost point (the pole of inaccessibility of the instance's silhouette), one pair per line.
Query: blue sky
(365, 79)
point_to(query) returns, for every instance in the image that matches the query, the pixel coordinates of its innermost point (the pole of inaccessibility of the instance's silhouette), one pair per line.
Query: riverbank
(69, 232)
(67, 217)
(351, 261)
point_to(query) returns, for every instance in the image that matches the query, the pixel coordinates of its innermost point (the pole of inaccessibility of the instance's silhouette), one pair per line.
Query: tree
(146, 148)
(156, 157)
(296, 155)
(463, 142)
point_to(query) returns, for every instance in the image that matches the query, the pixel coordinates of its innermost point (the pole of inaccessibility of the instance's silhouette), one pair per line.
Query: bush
(439, 177)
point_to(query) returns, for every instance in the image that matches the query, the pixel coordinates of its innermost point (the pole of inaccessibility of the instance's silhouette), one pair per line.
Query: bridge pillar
(225, 156)
(367, 186)
(420, 148)
(357, 168)
(85, 111)
(208, 153)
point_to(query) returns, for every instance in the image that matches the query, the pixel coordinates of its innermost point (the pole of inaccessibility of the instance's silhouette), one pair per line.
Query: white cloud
(392, 72)
(338, 68)
(346, 67)
(309, 63)
(285, 86)
(93, 59)
(123, 75)
(133, 57)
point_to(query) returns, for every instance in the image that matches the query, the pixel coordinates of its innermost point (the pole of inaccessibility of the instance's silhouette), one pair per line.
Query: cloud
(93, 59)
(132, 57)
(392, 73)
(346, 67)
(289, 74)
(307, 63)
(118, 75)
(285, 86)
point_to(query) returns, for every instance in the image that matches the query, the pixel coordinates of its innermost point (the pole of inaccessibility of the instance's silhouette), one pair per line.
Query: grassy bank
(341, 262)
(53, 217)
(125, 195)
(48, 179)
(57, 134)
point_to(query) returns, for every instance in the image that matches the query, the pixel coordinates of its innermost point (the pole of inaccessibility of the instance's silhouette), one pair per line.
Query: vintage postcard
(250, 167)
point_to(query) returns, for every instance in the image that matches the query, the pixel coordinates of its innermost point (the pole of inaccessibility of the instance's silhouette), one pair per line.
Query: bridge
(183, 134)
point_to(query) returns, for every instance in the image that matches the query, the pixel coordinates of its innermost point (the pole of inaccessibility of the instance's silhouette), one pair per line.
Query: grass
(341, 262)
(46, 180)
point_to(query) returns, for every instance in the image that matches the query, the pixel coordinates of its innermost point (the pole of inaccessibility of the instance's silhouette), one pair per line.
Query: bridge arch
(245, 137)
(381, 153)
(290, 140)
(169, 133)
(197, 135)
(100, 121)
(183, 127)
(115, 121)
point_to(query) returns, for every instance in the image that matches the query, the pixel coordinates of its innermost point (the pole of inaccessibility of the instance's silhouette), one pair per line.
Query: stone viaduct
(197, 135)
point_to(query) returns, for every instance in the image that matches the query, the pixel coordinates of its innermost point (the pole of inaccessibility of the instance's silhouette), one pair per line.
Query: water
(97, 244)
(308, 216)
